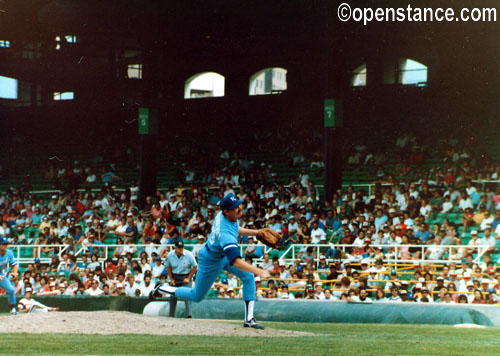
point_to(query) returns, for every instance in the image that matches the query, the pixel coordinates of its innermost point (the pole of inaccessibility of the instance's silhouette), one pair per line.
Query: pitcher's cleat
(252, 323)
(155, 293)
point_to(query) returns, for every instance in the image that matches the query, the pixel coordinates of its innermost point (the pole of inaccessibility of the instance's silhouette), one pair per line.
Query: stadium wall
(84, 303)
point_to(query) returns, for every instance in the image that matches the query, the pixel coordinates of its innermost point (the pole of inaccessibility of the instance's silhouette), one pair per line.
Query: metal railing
(26, 253)
(321, 249)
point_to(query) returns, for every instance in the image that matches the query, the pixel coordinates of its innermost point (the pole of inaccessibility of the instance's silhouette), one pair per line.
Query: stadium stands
(382, 180)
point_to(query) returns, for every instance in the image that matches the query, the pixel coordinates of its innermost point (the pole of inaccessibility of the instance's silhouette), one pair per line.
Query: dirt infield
(119, 322)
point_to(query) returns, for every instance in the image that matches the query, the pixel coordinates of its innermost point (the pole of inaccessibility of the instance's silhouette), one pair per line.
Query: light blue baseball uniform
(6, 261)
(218, 254)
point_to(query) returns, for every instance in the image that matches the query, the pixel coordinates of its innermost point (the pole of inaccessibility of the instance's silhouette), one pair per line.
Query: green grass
(331, 339)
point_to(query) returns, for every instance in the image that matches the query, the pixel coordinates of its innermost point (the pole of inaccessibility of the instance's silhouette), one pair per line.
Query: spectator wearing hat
(181, 267)
(318, 291)
(473, 243)
(425, 296)
(284, 274)
(423, 233)
(310, 293)
(322, 265)
(285, 293)
(198, 246)
(393, 275)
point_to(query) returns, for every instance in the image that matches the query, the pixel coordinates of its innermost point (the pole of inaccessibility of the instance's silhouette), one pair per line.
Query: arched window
(204, 85)
(359, 76)
(268, 81)
(412, 72)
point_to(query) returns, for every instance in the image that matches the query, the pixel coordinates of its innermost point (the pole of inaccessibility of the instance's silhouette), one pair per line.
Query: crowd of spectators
(404, 220)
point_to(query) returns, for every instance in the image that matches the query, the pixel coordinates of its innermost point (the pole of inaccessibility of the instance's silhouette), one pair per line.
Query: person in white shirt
(317, 233)
(284, 274)
(469, 188)
(447, 299)
(489, 239)
(196, 248)
(363, 296)
(425, 210)
(394, 239)
(285, 293)
(293, 226)
(435, 251)
(473, 242)
(232, 281)
(113, 222)
(158, 268)
(487, 221)
(28, 305)
(447, 205)
(318, 291)
(328, 295)
(465, 202)
(452, 193)
(267, 263)
(147, 286)
(94, 289)
(121, 229)
(131, 286)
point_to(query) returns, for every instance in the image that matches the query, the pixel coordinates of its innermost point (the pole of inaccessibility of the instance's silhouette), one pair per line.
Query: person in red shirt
(110, 266)
(149, 231)
(478, 297)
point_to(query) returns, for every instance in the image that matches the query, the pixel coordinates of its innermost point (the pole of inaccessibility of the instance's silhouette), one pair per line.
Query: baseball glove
(269, 237)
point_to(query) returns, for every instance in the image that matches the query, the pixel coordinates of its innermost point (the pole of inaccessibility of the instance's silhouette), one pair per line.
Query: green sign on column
(333, 113)
(148, 121)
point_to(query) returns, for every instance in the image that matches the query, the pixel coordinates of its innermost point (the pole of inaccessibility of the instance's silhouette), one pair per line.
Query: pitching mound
(120, 322)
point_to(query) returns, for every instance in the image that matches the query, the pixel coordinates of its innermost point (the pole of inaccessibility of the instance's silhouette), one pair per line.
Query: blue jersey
(6, 260)
(224, 235)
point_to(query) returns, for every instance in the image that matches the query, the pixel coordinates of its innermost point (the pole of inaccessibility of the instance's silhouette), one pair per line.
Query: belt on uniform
(208, 249)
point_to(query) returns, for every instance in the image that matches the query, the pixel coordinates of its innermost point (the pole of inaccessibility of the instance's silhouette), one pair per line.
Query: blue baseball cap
(179, 244)
(229, 202)
(4, 240)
